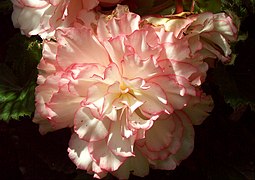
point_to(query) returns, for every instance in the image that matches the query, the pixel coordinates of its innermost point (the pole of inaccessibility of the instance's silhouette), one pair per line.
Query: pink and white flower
(207, 33)
(43, 17)
(129, 89)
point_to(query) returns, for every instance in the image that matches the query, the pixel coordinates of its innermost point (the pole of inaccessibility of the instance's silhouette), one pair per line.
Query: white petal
(90, 128)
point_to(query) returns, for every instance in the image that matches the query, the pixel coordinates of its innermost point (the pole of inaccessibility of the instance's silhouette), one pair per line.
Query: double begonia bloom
(129, 87)
(127, 90)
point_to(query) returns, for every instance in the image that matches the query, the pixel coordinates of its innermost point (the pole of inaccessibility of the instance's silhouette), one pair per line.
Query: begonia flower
(126, 90)
(43, 17)
(207, 33)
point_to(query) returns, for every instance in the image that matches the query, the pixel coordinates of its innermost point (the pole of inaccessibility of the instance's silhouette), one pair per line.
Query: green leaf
(18, 76)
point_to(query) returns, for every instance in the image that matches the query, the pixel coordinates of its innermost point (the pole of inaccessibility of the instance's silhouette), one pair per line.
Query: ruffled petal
(72, 48)
(137, 165)
(199, 108)
(90, 128)
(79, 154)
(63, 105)
(116, 24)
(103, 156)
(184, 151)
(119, 145)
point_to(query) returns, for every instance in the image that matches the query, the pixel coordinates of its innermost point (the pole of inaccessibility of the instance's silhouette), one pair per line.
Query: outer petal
(63, 104)
(177, 25)
(144, 42)
(115, 24)
(164, 129)
(137, 165)
(178, 51)
(44, 124)
(184, 151)
(158, 147)
(79, 154)
(43, 95)
(225, 25)
(48, 64)
(199, 108)
(27, 16)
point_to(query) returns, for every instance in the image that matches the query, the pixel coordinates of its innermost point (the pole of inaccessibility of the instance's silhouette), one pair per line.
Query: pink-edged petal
(176, 94)
(90, 128)
(184, 151)
(44, 93)
(140, 41)
(163, 128)
(119, 145)
(87, 18)
(159, 147)
(83, 76)
(96, 92)
(79, 154)
(134, 67)
(49, 64)
(31, 3)
(28, 19)
(116, 49)
(103, 156)
(220, 43)
(179, 68)
(225, 25)
(214, 49)
(115, 24)
(137, 121)
(153, 155)
(195, 44)
(175, 25)
(112, 74)
(64, 105)
(178, 50)
(155, 99)
(96, 100)
(73, 49)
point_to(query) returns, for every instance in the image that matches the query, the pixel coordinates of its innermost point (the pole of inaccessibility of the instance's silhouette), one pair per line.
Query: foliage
(18, 75)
